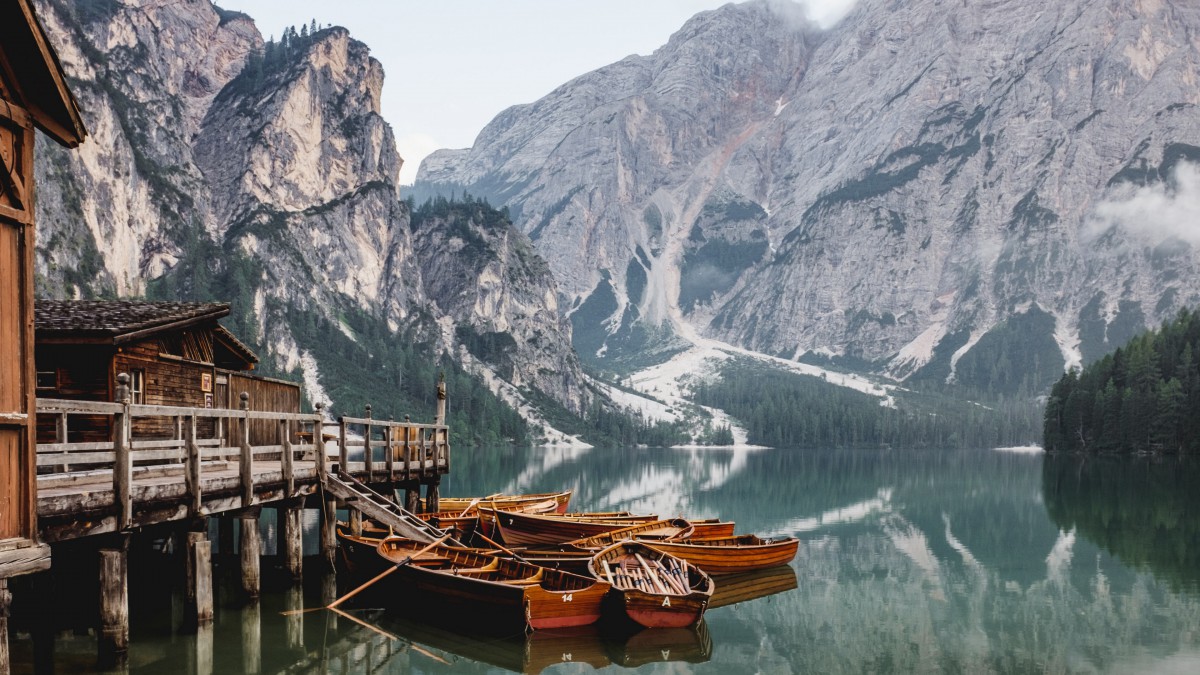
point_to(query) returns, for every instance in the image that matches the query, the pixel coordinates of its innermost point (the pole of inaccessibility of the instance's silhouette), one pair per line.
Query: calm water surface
(973, 562)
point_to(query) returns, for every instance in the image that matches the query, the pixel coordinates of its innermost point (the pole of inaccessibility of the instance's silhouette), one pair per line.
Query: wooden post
(440, 417)
(5, 603)
(412, 496)
(355, 521)
(251, 551)
(113, 643)
(252, 639)
(389, 455)
(329, 532)
(200, 587)
(60, 436)
(123, 463)
(431, 495)
(367, 458)
(319, 442)
(286, 458)
(194, 459)
(291, 544)
(343, 451)
(408, 451)
(246, 463)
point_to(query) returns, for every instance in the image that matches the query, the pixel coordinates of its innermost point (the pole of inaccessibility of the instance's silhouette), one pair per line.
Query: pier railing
(207, 443)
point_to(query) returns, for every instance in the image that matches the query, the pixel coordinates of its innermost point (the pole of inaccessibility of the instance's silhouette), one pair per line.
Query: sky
(453, 65)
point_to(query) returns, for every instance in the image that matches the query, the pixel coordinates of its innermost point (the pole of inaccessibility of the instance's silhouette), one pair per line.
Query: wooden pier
(210, 468)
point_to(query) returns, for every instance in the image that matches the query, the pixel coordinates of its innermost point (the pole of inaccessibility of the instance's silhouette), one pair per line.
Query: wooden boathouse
(33, 93)
(108, 429)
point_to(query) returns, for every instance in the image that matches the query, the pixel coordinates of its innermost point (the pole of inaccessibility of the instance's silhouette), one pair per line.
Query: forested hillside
(1145, 397)
(786, 410)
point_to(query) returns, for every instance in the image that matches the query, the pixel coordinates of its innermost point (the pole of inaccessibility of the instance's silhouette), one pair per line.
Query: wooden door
(17, 472)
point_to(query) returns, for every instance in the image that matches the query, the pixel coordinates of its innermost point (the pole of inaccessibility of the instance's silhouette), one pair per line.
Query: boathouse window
(137, 386)
(47, 382)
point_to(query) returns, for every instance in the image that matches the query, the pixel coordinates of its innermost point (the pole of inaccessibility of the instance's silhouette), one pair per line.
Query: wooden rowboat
(528, 529)
(730, 555)
(574, 556)
(654, 589)
(503, 594)
(460, 504)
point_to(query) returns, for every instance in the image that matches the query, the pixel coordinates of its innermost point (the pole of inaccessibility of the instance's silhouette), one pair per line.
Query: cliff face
(220, 167)
(927, 189)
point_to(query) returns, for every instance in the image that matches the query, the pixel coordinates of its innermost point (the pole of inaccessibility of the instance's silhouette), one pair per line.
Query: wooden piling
(432, 496)
(200, 586)
(329, 533)
(356, 522)
(367, 450)
(113, 643)
(123, 461)
(251, 552)
(5, 603)
(291, 539)
(412, 496)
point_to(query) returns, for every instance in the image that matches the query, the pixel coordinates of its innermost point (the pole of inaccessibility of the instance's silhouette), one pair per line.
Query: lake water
(979, 561)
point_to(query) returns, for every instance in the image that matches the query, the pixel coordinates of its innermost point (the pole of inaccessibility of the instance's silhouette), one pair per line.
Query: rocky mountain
(261, 173)
(933, 190)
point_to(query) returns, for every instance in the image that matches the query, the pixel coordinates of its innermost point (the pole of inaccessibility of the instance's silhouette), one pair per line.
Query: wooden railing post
(60, 435)
(407, 451)
(440, 416)
(388, 454)
(123, 462)
(319, 442)
(285, 459)
(369, 461)
(343, 451)
(246, 465)
(192, 449)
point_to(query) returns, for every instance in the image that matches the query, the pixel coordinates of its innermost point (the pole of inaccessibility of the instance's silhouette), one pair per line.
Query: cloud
(823, 13)
(1156, 212)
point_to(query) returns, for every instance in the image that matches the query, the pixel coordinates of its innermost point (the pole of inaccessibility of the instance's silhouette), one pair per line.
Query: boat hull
(451, 583)
(652, 588)
(527, 529)
(731, 555)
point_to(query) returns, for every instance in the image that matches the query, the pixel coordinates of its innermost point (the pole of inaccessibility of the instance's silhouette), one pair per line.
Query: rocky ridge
(926, 190)
(264, 175)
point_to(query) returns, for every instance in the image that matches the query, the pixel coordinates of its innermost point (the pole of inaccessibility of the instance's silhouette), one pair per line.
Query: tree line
(1144, 397)
(787, 410)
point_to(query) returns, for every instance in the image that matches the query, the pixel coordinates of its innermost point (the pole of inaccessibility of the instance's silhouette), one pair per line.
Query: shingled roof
(117, 321)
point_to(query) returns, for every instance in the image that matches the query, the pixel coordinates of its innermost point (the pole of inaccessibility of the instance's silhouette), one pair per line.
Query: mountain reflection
(1145, 511)
(974, 561)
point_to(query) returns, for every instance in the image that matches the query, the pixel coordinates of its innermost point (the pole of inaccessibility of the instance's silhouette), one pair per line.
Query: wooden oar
(653, 576)
(514, 554)
(607, 572)
(360, 589)
(470, 506)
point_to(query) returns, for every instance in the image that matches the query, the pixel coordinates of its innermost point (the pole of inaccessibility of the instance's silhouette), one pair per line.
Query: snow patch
(1067, 339)
(1022, 449)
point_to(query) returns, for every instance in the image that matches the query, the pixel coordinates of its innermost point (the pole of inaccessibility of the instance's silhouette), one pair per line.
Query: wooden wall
(265, 394)
(17, 466)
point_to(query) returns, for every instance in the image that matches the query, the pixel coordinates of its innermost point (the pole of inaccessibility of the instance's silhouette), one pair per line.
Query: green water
(972, 562)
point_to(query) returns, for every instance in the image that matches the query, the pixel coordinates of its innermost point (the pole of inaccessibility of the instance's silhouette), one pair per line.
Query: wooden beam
(113, 642)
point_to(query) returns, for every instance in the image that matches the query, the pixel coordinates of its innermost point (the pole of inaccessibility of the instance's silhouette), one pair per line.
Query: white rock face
(907, 180)
(275, 175)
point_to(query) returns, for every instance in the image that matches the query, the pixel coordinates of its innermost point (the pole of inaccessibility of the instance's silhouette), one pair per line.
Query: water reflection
(1143, 510)
(910, 562)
